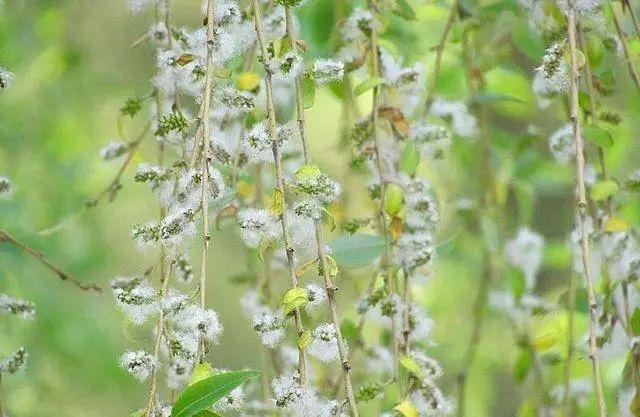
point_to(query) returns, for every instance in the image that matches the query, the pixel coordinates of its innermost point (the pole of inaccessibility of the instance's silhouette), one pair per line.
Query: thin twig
(280, 184)
(439, 48)
(330, 287)
(65, 276)
(625, 47)
(582, 207)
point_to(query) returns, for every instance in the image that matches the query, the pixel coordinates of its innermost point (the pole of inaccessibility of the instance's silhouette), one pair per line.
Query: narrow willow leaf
(522, 365)
(393, 199)
(332, 265)
(207, 392)
(206, 413)
(603, 190)
(635, 322)
(308, 87)
(356, 250)
(367, 85)
(276, 205)
(305, 340)
(405, 10)
(616, 224)
(598, 135)
(407, 409)
(412, 366)
(410, 158)
(544, 341)
(293, 299)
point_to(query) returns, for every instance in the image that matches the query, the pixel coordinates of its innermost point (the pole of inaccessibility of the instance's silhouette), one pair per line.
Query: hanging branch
(330, 287)
(280, 183)
(582, 206)
(383, 186)
(206, 150)
(65, 276)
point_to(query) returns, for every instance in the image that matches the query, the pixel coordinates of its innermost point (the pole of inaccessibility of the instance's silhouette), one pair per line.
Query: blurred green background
(74, 68)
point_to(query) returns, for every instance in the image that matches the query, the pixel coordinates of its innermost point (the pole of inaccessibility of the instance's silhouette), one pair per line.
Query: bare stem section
(280, 184)
(582, 206)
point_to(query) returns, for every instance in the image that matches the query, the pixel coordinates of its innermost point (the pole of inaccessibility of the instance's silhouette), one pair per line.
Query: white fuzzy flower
(140, 364)
(325, 343)
(525, 252)
(462, 122)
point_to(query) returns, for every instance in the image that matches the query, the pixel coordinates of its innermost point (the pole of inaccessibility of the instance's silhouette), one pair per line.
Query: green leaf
(356, 250)
(598, 135)
(276, 205)
(308, 172)
(308, 87)
(206, 413)
(332, 265)
(207, 392)
(393, 199)
(522, 365)
(367, 84)
(405, 10)
(602, 190)
(200, 372)
(293, 299)
(412, 366)
(410, 158)
(635, 322)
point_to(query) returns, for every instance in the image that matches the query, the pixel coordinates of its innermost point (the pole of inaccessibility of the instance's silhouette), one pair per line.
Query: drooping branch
(63, 275)
(582, 205)
(330, 287)
(280, 183)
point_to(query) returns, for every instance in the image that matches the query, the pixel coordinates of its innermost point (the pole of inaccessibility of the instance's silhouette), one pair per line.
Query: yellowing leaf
(245, 189)
(248, 81)
(396, 227)
(602, 190)
(184, 59)
(616, 224)
(332, 265)
(544, 341)
(305, 340)
(412, 366)
(308, 172)
(407, 409)
(293, 299)
(201, 371)
(276, 205)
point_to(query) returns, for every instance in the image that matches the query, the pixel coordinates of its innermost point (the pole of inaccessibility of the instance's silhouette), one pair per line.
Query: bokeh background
(74, 68)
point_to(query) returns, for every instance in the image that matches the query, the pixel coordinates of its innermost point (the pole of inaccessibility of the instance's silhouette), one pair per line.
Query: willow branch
(582, 207)
(280, 183)
(39, 256)
(330, 287)
(383, 186)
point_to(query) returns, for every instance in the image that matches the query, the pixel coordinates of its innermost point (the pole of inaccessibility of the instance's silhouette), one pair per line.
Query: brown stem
(65, 276)
(330, 287)
(280, 183)
(582, 207)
